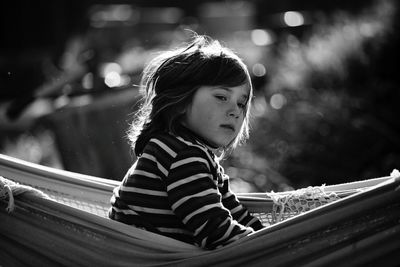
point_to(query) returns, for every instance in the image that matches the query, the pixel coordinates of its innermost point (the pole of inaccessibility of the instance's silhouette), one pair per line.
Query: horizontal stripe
(187, 180)
(145, 173)
(201, 210)
(125, 211)
(144, 191)
(174, 230)
(200, 194)
(151, 210)
(188, 161)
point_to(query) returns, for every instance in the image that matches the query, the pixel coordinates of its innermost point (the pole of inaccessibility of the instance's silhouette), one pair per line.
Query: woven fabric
(42, 232)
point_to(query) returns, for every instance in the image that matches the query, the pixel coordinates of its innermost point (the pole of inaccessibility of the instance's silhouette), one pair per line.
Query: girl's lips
(228, 126)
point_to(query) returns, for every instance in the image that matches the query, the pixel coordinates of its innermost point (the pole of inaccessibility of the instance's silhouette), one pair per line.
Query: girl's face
(217, 113)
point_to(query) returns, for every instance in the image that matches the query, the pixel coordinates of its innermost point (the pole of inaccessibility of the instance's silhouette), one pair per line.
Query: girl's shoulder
(167, 149)
(173, 145)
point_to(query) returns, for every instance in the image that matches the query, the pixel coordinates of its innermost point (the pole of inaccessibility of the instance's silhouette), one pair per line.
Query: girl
(197, 102)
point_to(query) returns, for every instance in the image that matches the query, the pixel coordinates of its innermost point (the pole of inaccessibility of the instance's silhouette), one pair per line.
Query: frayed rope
(9, 189)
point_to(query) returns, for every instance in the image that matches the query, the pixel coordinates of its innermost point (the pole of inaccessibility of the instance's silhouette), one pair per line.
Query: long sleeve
(239, 213)
(196, 200)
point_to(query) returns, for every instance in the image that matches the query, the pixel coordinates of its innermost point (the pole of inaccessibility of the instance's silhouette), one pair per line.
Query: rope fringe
(9, 189)
(301, 200)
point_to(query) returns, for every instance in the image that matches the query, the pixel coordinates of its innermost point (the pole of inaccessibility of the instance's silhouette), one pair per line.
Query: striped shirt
(177, 188)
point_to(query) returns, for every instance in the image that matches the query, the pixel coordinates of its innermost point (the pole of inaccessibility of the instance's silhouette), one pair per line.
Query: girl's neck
(188, 133)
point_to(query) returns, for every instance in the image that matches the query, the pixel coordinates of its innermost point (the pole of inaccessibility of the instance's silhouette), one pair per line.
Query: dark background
(325, 109)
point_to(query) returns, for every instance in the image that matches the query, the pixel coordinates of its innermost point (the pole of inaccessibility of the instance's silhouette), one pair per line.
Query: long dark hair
(170, 81)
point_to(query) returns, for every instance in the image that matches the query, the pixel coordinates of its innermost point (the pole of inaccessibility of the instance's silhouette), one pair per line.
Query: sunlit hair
(170, 81)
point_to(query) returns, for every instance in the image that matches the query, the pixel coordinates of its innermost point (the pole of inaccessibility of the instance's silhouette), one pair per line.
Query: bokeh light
(293, 18)
(111, 67)
(261, 37)
(277, 101)
(112, 79)
(259, 70)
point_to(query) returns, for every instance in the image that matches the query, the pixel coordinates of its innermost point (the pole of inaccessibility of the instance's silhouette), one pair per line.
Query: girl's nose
(234, 111)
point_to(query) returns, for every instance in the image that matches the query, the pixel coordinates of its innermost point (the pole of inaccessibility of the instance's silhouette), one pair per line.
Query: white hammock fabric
(71, 229)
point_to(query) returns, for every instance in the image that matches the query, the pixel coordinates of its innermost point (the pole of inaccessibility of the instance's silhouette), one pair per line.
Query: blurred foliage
(328, 113)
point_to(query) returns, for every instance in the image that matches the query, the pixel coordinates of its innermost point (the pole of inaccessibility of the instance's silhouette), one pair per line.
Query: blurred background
(325, 73)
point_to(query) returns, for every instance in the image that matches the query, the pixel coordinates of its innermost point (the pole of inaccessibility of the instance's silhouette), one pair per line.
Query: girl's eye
(221, 97)
(242, 105)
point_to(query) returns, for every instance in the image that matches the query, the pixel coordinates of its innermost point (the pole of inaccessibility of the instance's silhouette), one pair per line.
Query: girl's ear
(182, 115)
(185, 109)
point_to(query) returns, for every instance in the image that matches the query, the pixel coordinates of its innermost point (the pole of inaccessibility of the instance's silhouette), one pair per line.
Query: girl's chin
(220, 144)
(216, 144)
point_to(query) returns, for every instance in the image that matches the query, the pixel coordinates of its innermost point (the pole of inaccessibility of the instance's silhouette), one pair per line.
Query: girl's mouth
(228, 126)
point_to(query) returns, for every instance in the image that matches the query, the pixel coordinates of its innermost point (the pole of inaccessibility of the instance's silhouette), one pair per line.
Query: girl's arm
(239, 213)
(195, 199)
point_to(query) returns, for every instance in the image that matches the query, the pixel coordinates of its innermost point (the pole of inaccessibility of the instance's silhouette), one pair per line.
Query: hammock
(59, 219)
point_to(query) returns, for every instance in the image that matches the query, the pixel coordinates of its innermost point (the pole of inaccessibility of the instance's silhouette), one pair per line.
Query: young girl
(197, 102)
